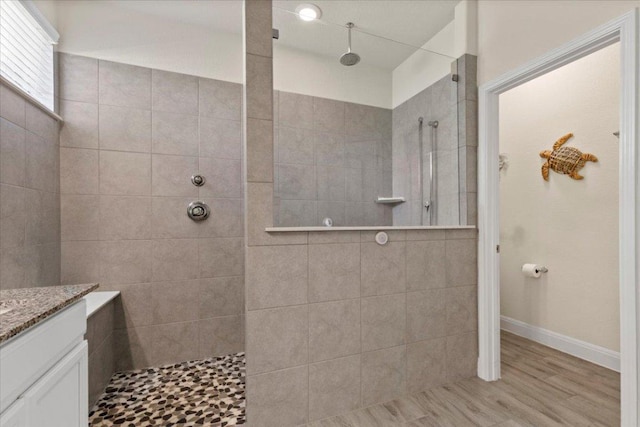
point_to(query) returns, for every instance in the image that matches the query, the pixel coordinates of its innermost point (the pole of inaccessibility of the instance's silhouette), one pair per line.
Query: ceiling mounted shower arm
(349, 58)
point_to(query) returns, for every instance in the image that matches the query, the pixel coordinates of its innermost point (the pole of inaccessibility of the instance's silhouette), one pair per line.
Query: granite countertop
(20, 309)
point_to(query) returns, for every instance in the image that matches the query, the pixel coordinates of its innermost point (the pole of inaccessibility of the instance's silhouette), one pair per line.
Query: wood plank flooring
(539, 387)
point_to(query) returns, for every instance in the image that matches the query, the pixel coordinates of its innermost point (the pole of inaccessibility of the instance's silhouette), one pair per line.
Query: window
(26, 49)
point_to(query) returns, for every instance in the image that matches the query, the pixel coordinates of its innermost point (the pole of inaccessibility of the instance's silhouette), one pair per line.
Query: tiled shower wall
(454, 106)
(332, 159)
(29, 194)
(335, 321)
(132, 139)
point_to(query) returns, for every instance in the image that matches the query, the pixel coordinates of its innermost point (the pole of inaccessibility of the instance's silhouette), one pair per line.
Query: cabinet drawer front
(29, 355)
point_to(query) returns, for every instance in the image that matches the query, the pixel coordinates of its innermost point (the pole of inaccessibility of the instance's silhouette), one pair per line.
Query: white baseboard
(583, 350)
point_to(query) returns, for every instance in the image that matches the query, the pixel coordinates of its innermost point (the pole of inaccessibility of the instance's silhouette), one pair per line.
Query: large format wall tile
(383, 375)
(276, 276)
(334, 387)
(30, 225)
(279, 398)
(334, 329)
(277, 339)
(383, 321)
(334, 271)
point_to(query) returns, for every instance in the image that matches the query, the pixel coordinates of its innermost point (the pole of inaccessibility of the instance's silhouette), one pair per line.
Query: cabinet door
(60, 397)
(15, 415)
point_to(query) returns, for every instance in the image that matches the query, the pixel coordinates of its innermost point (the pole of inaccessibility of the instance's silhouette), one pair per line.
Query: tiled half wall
(334, 321)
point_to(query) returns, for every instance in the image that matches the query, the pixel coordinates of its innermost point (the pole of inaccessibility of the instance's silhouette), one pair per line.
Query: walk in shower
(373, 143)
(172, 193)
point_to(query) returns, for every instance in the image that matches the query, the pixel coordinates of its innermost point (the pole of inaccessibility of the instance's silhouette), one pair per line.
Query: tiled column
(277, 391)
(468, 138)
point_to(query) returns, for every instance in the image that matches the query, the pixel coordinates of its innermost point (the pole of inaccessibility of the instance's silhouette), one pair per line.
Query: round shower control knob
(198, 180)
(198, 211)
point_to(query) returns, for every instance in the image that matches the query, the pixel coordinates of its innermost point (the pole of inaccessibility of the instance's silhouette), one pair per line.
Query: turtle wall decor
(565, 160)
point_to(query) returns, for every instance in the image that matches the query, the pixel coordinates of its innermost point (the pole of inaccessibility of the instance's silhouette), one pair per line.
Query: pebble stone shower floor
(207, 392)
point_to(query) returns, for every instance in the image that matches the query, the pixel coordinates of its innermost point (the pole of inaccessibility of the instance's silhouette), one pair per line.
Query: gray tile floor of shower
(207, 392)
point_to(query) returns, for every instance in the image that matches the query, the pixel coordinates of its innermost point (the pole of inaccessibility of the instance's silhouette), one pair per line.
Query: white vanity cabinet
(44, 374)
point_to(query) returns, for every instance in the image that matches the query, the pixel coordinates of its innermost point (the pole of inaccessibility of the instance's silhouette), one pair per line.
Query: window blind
(26, 50)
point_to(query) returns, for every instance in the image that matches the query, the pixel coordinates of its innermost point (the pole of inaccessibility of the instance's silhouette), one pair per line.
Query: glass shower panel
(349, 147)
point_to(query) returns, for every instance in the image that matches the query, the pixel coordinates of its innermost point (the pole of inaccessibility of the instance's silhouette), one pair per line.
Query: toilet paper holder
(543, 269)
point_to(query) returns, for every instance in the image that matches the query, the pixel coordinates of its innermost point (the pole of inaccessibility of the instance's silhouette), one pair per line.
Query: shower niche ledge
(374, 228)
(390, 200)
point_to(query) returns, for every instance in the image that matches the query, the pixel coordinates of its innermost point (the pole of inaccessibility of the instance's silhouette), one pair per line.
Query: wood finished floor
(539, 387)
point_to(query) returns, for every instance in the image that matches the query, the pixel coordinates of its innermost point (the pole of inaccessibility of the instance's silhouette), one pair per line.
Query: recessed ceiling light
(308, 12)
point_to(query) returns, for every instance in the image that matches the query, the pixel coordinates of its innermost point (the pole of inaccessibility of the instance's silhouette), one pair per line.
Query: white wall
(513, 32)
(569, 226)
(105, 31)
(300, 72)
(422, 69)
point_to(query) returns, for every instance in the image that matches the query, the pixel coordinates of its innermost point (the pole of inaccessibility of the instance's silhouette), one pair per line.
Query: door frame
(625, 30)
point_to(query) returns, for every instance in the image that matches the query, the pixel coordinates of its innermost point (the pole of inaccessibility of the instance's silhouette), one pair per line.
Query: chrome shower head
(349, 58)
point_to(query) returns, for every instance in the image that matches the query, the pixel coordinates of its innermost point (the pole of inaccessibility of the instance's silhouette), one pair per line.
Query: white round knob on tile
(382, 238)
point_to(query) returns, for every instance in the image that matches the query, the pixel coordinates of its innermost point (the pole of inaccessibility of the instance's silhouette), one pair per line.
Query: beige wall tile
(462, 309)
(121, 218)
(328, 115)
(383, 268)
(276, 276)
(259, 150)
(426, 314)
(125, 129)
(12, 106)
(224, 178)
(334, 329)
(40, 123)
(426, 365)
(259, 87)
(462, 356)
(174, 301)
(279, 399)
(172, 176)
(221, 296)
(259, 13)
(174, 93)
(227, 218)
(175, 134)
(175, 259)
(334, 271)
(174, 341)
(220, 336)
(425, 234)
(126, 174)
(12, 153)
(321, 237)
(220, 99)
(12, 219)
(125, 261)
(462, 262)
(41, 163)
(461, 233)
(134, 307)
(221, 257)
(277, 339)
(260, 215)
(79, 171)
(42, 219)
(383, 375)
(124, 85)
(426, 265)
(295, 110)
(80, 262)
(80, 127)
(169, 218)
(383, 321)
(334, 387)
(79, 217)
(220, 138)
(78, 78)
